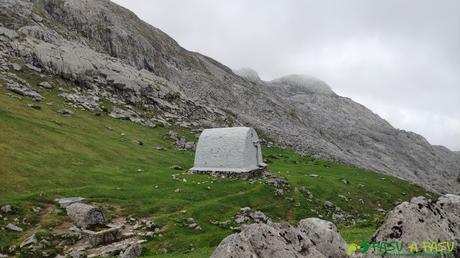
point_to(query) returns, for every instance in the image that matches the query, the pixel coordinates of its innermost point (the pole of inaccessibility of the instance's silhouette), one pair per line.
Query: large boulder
(312, 238)
(86, 216)
(422, 220)
(325, 237)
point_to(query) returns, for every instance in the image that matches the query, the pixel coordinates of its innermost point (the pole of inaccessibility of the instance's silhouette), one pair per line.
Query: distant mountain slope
(113, 54)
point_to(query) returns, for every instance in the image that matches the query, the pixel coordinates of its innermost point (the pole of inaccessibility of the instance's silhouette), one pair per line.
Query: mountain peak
(249, 74)
(302, 84)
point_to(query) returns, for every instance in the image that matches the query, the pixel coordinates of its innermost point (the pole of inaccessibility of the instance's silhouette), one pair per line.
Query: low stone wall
(239, 175)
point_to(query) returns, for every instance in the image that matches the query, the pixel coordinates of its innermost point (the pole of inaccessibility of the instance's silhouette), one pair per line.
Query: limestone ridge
(114, 55)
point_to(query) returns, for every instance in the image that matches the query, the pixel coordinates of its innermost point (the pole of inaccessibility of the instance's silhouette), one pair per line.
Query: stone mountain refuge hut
(233, 151)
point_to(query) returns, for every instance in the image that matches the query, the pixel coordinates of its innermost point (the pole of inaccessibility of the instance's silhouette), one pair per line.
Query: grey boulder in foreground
(284, 240)
(416, 221)
(422, 220)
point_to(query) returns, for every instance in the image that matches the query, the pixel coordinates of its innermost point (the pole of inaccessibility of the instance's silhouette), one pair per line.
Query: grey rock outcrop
(106, 49)
(124, 114)
(134, 250)
(6, 209)
(85, 216)
(325, 236)
(423, 220)
(87, 102)
(23, 90)
(29, 241)
(247, 215)
(13, 227)
(45, 85)
(283, 240)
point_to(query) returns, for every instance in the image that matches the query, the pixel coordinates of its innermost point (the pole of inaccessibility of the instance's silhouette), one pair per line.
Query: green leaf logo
(352, 248)
(365, 246)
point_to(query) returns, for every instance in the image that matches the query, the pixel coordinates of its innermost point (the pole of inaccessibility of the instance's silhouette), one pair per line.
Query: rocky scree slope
(117, 57)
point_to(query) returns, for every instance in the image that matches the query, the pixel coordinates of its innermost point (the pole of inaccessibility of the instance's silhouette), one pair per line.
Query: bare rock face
(85, 216)
(312, 238)
(105, 48)
(423, 220)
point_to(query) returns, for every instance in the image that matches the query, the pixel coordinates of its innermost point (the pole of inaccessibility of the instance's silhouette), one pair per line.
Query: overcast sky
(399, 58)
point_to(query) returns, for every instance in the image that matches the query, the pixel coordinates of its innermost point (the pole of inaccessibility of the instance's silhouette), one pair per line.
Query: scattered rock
(119, 113)
(85, 216)
(279, 192)
(329, 205)
(29, 241)
(192, 224)
(16, 67)
(34, 68)
(189, 146)
(345, 181)
(173, 135)
(64, 202)
(277, 182)
(132, 251)
(222, 224)
(304, 190)
(77, 254)
(178, 190)
(45, 85)
(23, 90)
(247, 215)
(181, 142)
(138, 142)
(338, 216)
(90, 103)
(343, 197)
(13, 227)
(6, 208)
(37, 17)
(176, 167)
(34, 106)
(65, 112)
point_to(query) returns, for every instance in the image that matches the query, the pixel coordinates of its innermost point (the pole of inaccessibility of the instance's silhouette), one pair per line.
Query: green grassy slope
(45, 155)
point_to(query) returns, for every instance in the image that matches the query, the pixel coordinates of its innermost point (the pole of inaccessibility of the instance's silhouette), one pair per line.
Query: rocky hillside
(117, 59)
